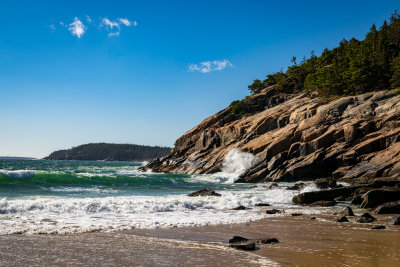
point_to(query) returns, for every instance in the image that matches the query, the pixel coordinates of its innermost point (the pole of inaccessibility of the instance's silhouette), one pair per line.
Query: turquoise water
(38, 196)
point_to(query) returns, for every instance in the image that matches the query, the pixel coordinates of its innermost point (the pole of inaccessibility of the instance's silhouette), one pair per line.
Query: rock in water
(204, 192)
(343, 219)
(324, 203)
(297, 186)
(378, 227)
(240, 208)
(273, 211)
(262, 205)
(347, 211)
(324, 183)
(268, 240)
(272, 186)
(366, 218)
(246, 246)
(236, 239)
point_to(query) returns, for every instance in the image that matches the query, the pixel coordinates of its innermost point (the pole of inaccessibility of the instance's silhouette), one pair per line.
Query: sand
(304, 242)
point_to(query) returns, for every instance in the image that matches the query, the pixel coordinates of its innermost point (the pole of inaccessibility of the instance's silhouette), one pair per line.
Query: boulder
(240, 208)
(346, 211)
(366, 218)
(204, 192)
(324, 183)
(245, 246)
(378, 227)
(327, 195)
(237, 238)
(268, 240)
(342, 219)
(376, 197)
(297, 186)
(262, 205)
(388, 208)
(295, 214)
(273, 211)
(272, 186)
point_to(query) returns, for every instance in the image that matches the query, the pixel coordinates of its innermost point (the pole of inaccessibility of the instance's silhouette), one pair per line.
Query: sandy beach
(304, 242)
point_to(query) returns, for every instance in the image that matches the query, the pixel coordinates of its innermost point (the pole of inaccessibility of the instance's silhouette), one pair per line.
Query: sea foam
(17, 174)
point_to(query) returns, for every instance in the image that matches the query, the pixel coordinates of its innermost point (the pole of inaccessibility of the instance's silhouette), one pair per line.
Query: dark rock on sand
(204, 192)
(237, 238)
(240, 208)
(388, 208)
(366, 218)
(262, 205)
(342, 219)
(273, 211)
(297, 186)
(395, 220)
(324, 183)
(246, 246)
(313, 218)
(378, 227)
(347, 211)
(268, 240)
(295, 214)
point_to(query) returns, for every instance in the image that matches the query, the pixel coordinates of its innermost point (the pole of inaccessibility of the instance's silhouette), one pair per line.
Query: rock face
(296, 137)
(388, 208)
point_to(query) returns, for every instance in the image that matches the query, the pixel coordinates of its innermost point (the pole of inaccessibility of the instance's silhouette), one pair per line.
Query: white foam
(17, 174)
(66, 215)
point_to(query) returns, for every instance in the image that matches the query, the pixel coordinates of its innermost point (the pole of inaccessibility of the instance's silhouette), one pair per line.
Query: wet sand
(305, 242)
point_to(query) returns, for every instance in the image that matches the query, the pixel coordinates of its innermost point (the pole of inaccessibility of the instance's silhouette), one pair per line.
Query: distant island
(17, 158)
(110, 152)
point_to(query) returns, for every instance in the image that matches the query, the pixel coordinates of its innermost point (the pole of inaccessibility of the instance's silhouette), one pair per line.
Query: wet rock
(262, 205)
(357, 200)
(379, 227)
(297, 186)
(204, 192)
(237, 238)
(272, 186)
(379, 196)
(395, 220)
(273, 211)
(246, 246)
(240, 208)
(324, 183)
(313, 218)
(388, 208)
(366, 218)
(347, 211)
(295, 214)
(324, 203)
(342, 219)
(253, 187)
(268, 240)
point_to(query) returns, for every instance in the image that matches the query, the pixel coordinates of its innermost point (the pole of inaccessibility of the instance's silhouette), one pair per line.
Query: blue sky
(74, 72)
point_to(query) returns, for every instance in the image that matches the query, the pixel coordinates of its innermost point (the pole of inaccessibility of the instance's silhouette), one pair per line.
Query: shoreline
(304, 242)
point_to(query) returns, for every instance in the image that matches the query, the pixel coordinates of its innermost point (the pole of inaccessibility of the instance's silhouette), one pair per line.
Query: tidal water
(39, 196)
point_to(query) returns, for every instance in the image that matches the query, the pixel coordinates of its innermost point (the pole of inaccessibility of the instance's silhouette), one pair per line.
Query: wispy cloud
(113, 27)
(209, 66)
(77, 28)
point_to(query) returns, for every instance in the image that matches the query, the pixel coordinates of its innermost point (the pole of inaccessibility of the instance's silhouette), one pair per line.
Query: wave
(17, 173)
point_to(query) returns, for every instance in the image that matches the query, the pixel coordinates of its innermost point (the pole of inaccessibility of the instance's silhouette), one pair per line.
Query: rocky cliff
(296, 137)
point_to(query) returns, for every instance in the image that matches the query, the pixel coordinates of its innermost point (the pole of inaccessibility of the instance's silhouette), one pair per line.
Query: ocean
(47, 197)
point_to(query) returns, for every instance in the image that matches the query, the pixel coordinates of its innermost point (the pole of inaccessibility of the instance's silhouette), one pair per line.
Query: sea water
(40, 196)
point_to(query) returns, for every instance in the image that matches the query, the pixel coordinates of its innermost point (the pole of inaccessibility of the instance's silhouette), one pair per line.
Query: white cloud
(77, 28)
(209, 66)
(110, 24)
(126, 22)
(111, 34)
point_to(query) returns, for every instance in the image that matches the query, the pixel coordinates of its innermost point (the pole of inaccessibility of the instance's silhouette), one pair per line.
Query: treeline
(110, 152)
(354, 67)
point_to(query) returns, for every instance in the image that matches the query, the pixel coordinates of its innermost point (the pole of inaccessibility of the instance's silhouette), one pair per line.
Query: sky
(145, 72)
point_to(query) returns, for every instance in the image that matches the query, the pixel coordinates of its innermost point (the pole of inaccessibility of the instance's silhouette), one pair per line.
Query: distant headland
(110, 152)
